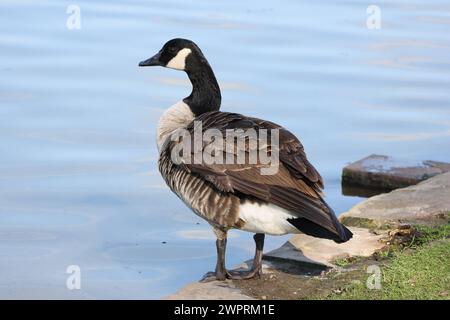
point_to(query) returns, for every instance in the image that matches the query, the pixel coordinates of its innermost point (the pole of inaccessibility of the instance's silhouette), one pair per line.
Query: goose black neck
(205, 94)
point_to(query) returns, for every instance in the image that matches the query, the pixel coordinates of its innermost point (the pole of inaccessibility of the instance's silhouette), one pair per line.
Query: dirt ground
(302, 281)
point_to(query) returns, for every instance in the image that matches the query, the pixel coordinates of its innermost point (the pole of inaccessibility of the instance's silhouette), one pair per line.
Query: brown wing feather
(296, 186)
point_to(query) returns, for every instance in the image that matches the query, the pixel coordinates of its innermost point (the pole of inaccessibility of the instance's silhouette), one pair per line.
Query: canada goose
(237, 195)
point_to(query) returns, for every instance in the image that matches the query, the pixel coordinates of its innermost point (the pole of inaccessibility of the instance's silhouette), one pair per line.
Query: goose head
(185, 55)
(178, 54)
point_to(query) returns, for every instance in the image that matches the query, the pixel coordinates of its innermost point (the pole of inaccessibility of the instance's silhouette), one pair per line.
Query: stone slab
(425, 201)
(307, 249)
(214, 290)
(388, 173)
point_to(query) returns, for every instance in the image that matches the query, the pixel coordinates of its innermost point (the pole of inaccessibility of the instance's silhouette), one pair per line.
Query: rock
(307, 249)
(214, 290)
(217, 290)
(426, 202)
(388, 173)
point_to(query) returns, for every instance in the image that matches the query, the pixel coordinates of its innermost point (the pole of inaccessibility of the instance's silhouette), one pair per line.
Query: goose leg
(256, 269)
(220, 273)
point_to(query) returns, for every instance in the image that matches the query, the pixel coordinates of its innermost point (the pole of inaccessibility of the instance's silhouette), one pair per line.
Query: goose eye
(171, 49)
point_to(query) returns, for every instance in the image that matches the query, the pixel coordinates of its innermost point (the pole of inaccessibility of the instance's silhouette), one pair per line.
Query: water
(78, 177)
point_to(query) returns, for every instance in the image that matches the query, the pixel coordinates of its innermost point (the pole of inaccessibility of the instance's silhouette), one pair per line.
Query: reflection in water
(359, 191)
(78, 174)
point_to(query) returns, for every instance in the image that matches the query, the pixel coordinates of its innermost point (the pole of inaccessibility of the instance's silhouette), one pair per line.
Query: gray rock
(423, 202)
(388, 173)
(306, 249)
(214, 290)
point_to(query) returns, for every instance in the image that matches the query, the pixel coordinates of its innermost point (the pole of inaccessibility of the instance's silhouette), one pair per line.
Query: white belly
(266, 218)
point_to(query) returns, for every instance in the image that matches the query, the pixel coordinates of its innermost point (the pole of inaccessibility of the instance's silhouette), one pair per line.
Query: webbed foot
(213, 276)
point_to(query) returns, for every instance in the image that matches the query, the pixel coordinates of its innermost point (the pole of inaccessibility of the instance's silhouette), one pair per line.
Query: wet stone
(426, 202)
(385, 173)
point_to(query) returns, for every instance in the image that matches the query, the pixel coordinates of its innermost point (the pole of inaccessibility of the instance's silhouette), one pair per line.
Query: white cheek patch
(179, 61)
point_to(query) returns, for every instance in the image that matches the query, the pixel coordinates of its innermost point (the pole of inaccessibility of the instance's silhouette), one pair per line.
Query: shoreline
(402, 225)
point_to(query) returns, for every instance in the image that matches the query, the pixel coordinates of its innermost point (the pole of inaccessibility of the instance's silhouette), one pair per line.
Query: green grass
(428, 234)
(423, 274)
(342, 262)
(421, 270)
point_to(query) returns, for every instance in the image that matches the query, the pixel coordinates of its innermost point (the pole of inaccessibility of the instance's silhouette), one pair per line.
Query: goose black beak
(153, 61)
